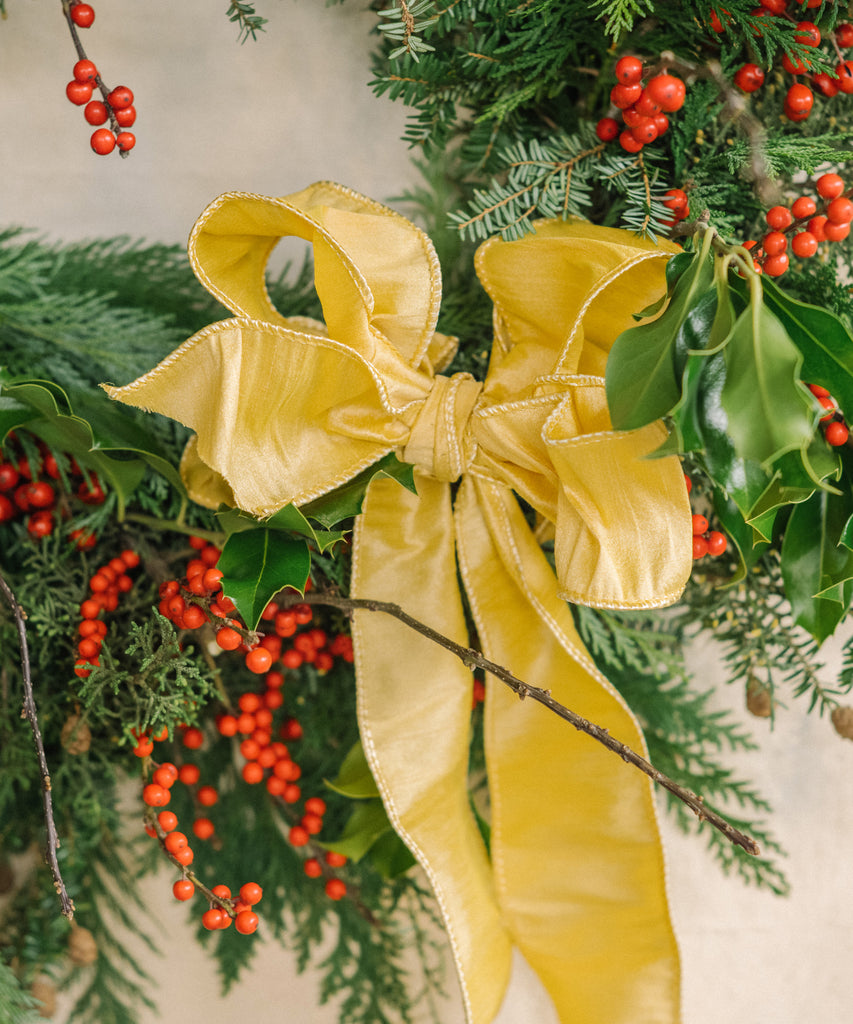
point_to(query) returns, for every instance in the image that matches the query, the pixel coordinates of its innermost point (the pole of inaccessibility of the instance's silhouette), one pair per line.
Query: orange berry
(313, 868)
(168, 820)
(251, 893)
(836, 434)
(700, 547)
(183, 889)
(203, 828)
(246, 922)
(336, 889)
(207, 796)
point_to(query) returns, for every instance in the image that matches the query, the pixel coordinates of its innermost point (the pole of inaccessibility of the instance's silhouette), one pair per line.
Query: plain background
(270, 117)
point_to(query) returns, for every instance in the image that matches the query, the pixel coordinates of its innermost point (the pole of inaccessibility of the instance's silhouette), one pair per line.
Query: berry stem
(82, 55)
(472, 658)
(29, 712)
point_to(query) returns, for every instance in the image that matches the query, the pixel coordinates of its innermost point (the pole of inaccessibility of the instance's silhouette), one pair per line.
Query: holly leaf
(749, 547)
(823, 341)
(367, 823)
(13, 414)
(355, 779)
(347, 500)
(817, 568)
(769, 411)
(288, 519)
(646, 362)
(390, 855)
(257, 564)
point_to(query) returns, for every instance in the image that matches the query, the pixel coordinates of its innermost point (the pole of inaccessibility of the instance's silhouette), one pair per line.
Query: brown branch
(29, 712)
(472, 659)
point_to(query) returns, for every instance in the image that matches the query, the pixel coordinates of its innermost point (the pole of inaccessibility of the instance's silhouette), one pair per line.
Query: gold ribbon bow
(287, 409)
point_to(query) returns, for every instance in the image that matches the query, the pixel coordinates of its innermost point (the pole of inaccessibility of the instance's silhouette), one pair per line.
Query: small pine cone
(76, 735)
(44, 991)
(842, 719)
(82, 948)
(758, 700)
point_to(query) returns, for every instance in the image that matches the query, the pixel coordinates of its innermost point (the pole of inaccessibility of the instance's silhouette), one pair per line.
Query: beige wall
(271, 117)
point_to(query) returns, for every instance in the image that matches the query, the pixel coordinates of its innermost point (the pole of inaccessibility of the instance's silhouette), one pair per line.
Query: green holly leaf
(367, 823)
(288, 519)
(769, 411)
(13, 414)
(390, 855)
(646, 363)
(347, 500)
(355, 779)
(257, 564)
(749, 546)
(824, 342)
(817, 567)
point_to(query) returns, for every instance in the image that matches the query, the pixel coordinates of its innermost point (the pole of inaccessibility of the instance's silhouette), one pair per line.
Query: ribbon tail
(576, 851)
(414, 708)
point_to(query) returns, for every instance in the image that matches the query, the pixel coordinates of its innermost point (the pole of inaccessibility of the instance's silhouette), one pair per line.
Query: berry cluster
(799, 98)
(106, 586)
(643, 108)
(807, 225)
(835, 429)
(117, 105)
(705, 541)
(32, 489)
(197, 600)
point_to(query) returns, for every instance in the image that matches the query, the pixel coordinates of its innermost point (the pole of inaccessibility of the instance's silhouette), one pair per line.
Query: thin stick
(472, 658)
(29, 712)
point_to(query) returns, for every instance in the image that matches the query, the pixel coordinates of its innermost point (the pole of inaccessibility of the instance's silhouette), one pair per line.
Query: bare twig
(29, 712)
(474, 659)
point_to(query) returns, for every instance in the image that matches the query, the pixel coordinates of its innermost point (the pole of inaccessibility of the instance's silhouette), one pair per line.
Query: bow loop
(440, 442)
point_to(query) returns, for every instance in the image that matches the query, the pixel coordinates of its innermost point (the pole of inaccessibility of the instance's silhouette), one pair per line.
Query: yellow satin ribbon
(287, 409)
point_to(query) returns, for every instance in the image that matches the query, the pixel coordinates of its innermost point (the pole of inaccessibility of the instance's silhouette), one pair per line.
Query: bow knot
(441, 443)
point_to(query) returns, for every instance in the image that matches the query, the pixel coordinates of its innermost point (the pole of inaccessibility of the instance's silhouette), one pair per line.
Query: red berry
(166, 775)
(246, 922)
(629, 70)
(315, 805)
(336, 889)
(189, 774)
(700, 525)
(193, 738)
(212, 918)
(779, 218)
(805, 206)
(102, 142)
(155, 795)
(799, 99)
(312, 823)
(804, 244)
(334, 859)
(313, 868)
(78, 92)
(836, 434)
(203, 828)
(623, 96)
(816, 228)
(125, 117)
(835, 232)
(844, 81)
(40, 524)
(839, 211)
(645, 106)
(700, 547)
(125, 141)
(607, 129)
(252, 773)
(259, 660)
(222, 891)
(298, 836)
(9, 476)
(807, 33)
(775, 266)
(175, 841)
(85, 71)
(228, 639)
(667, 91)
(95, 112)
(82, 15)
(773, 243)
(251, 893)
(717, 543)
(775, 6)
(646, 131)
(291, 730)
(844, 35)
(207, 796)
(749, 78)
(120, 98)
(629, 143)
(183, 889)
(828, 86)
(144, 747)
(184, 856)
(717, 25)
(168, 820)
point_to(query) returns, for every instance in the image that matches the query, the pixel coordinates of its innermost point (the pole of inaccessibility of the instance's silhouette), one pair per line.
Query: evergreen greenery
(504, 100)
